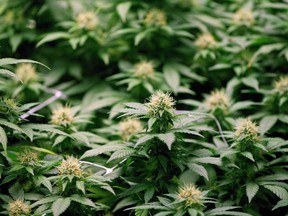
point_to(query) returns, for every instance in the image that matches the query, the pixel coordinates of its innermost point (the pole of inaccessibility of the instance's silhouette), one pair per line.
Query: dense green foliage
(127, 107)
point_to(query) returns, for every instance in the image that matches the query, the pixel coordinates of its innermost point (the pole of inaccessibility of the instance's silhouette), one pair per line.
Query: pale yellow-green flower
(155, 17)
(159, 102)
(62, 116)
(281, 85)
(247, 129)
(87, 20)
(190, 193)
(28, 158)
(26, 72)
(70, 166)
(205, 41)
(18, 208)
(129, 127)
(144, 69)
(243, 17)
(217, 99)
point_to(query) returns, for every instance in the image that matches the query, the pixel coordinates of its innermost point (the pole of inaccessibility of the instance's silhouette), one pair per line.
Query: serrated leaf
(122, 10)
(16, 191)
(251, 190)
(267, 123)
(278, 191)
(172, 77)
(281, 203)
(82, 199)
(80, 186)
(102, 149)
(140, 36)
(144, 139)
(52, 36)
(208, 160)
(248, 155)
(8, 73)
(251, 82)
(45, 200)
(60, 206)
(167, 138)
(3, 138)
(9, 61)
(45, 181)
(241, 105)
(200, 170)
(11, 125)
(14, 41)
(46, 128)
(149, 194)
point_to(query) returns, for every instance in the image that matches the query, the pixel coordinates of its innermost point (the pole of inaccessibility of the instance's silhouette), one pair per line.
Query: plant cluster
(173, 107)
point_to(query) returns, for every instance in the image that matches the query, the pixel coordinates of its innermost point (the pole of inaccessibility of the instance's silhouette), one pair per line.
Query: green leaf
(208, 160)
(251, 190)
(60, 206)
(9, 61)
(251, 82)
(267, 123)
(82, 200)
(3, 138)
(199, 169)
(278, 191)
(281, 203)
(45, 200)
(248, 155)
(144, 139)
(167, 138)
(140, 36)
(45, 181)
(16, 191)
(102, 149)
(122, 10)
(80, 186)
(46, 128)
(52, 36)
(8, 73)
(149, 194)
(172, 77)
(14, 41)
(11, 125)
(241, 105)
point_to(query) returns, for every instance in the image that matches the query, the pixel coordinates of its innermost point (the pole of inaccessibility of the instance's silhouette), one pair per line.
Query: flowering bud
(129, 127)
(155, 17)
(205, 41)
(217, 99)
(70, 166)
(26, 72)
(243, 17)
(87, 20)
(190, 194)
(28, 158)
(144, 69)
(281, 85)
(18, 208)
(160, 102)
(62, 116)
(245, 128)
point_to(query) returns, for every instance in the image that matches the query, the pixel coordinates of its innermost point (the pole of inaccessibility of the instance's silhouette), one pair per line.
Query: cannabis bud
(159, 103)
(70, 166)
(28, 158)
(18, 208)
(62, 116)
(281, 85)
(26, 73)
(245, 128)
(205, 41)
(155, 17)
(190, 194)
(144, 69)
(87, 20)
(217, 99)
(129, 127)
(243, 17)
